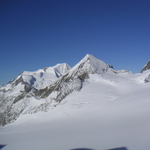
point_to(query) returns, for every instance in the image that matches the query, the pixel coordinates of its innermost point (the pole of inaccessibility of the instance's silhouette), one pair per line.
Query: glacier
(90, 105)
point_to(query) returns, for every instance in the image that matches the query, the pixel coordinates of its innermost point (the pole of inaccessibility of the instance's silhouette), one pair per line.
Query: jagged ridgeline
(51, 84)
(73, 79)
(32, 92)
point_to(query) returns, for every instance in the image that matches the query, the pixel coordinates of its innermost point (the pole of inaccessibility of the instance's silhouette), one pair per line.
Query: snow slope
(18, 95)
(41, 78)
(111, 110)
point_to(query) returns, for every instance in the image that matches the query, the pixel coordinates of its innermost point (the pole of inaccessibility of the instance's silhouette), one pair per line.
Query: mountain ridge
(74, 78)
(48, 86)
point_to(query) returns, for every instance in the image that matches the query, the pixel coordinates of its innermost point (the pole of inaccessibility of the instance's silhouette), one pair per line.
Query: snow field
(111, 111)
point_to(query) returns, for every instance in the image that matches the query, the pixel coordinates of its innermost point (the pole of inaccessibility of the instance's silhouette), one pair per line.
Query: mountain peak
(90, 64)
(146, 67)
(88, 56)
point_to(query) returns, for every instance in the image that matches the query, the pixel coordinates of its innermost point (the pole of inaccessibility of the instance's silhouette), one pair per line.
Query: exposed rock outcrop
(147, 79)
(146, 67)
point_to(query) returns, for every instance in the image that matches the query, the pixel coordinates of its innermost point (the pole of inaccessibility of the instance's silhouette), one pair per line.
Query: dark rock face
(147, 79)
(11, 108)
(19, 97)
(146, 67)
(20, 80)
(110, 66)
(63, 87)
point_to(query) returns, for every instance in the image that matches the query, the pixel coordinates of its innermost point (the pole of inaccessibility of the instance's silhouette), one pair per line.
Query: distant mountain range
(32, 92)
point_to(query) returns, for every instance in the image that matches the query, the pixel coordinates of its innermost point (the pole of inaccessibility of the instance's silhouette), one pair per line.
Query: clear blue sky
(39, 33)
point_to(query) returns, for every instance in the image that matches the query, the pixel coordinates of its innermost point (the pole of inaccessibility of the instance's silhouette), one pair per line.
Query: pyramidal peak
(90, 64)
(88, 57)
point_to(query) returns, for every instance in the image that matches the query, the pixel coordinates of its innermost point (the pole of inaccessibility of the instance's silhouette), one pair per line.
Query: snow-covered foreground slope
(109, 111)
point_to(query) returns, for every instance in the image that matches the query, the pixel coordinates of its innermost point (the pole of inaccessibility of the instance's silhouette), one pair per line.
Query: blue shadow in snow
(2, 145)
(119, 148)
(82, 149)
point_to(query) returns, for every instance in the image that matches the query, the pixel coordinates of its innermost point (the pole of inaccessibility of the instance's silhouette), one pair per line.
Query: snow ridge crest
(50, 84)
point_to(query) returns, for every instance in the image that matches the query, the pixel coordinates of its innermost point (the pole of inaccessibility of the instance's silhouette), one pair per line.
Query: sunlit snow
(110, 111)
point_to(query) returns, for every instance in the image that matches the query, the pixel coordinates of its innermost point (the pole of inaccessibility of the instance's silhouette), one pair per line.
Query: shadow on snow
(119, 148)
(82, 149)
(2, 145)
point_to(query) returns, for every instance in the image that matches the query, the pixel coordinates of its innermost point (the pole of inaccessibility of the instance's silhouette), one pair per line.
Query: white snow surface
(110, 111)
(43, 77)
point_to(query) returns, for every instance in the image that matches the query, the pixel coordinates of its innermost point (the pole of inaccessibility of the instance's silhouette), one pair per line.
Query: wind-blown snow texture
(90, 105)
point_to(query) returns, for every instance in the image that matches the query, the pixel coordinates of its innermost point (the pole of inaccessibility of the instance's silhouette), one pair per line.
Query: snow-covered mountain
(15, 96)
(32, 92)
(74, 78)
(41, 78)
(88, 106)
